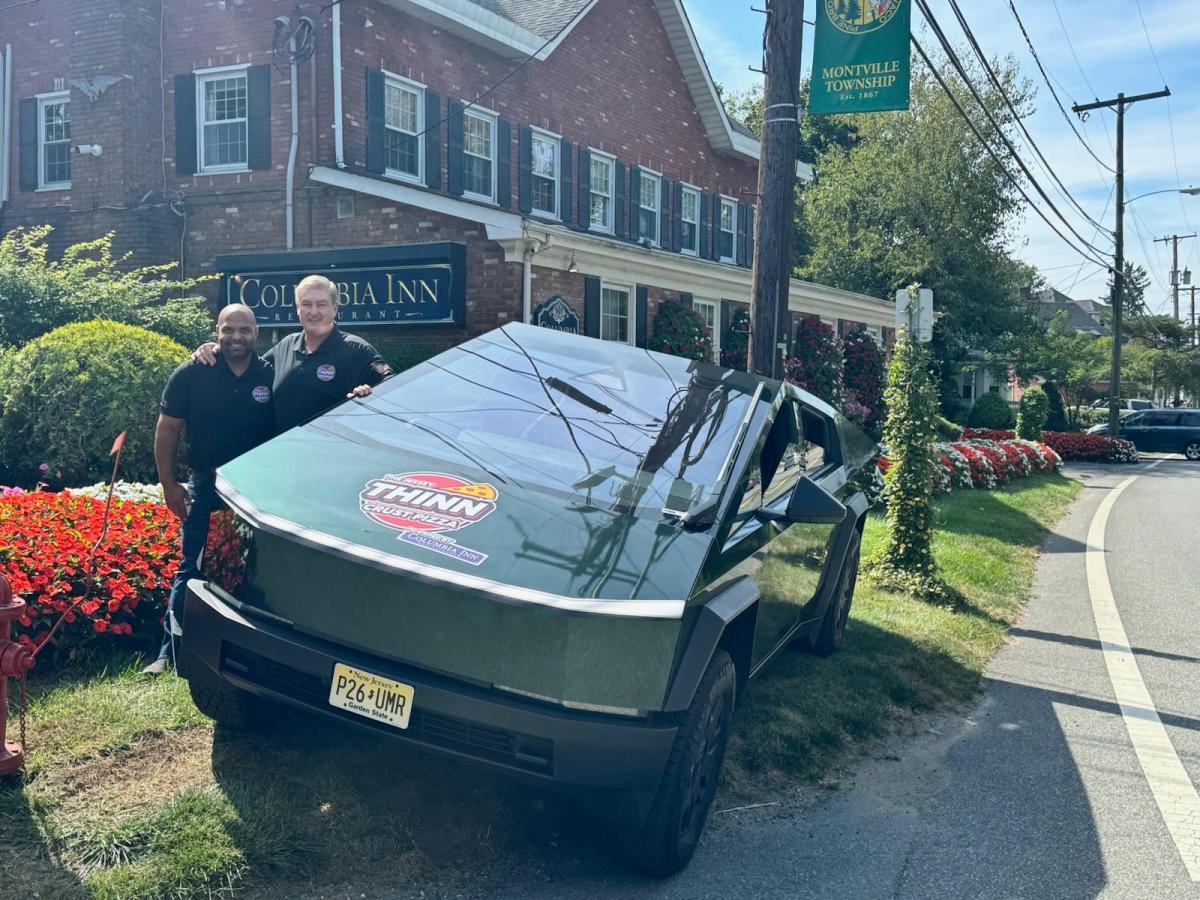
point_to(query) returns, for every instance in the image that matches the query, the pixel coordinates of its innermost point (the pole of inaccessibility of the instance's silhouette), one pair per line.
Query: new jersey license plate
(373, 696)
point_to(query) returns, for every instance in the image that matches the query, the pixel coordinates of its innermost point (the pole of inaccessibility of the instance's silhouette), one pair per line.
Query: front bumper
(619, 760)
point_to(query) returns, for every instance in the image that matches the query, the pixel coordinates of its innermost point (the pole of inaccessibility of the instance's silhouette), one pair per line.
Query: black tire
(667, 839)
(833, 626)
(229, 707)
(1192, 451)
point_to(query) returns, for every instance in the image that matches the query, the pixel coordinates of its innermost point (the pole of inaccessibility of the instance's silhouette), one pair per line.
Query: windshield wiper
(577, 395)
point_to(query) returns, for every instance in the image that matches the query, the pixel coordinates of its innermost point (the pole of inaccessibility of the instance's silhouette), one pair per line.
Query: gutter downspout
(289, 207)
(339, 157)
(527, 285)
(5, 121)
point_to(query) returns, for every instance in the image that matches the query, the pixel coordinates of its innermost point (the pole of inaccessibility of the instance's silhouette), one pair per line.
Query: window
(602, 192)
(614, 315)
(728, 229)
(54, 142)
(648, 208)
(994, 389)
(689, 216)
(1163, 419)
(707, 311)
(403, 112)
(222, 107)
(545, 174)
(479, 159)
(968, 390)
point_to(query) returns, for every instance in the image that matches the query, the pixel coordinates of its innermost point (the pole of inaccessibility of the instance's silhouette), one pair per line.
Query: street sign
(918, 317)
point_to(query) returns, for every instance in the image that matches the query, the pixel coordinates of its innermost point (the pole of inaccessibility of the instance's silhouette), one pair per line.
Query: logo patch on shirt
(262, 393)
(326, 372)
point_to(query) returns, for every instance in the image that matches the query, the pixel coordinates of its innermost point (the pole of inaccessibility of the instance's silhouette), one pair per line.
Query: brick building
(452, 164)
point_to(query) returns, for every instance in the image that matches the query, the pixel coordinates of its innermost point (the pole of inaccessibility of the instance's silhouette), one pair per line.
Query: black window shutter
(433, 140)
(258, 112)
(27, 131)
(504, 164)
(743, 247)
(665, 222)
(585, 188)
(702, 248)
(376, 155)
(677, 218)
(635, 203)
(566, 185)
(185, 129)
(454, 147)
(686, 300)
(591, 306)
(726, 318)
(525, 169)
(715, 248)
(641, 315)
(751, 215)
(619, 203)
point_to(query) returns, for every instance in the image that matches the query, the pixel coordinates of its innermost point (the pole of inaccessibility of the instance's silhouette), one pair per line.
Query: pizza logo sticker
(326, 372)
(425, 507)
(262, 393)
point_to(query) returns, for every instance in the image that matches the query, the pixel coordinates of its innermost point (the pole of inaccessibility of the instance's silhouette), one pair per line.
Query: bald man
(226, 409)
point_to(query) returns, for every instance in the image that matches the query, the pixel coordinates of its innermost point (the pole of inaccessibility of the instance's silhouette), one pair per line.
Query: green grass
(130, 793)
(900, 655)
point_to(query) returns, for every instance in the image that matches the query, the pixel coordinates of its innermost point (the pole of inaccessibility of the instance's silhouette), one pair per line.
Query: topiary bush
(1056, 418)
(679, 330)
(1032, 412)
(65, 396)
(990, 411)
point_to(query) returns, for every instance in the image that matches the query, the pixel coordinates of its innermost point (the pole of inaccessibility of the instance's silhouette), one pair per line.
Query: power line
(1112, 190)
(991, 73)
(1053, 93)
(957, 63)
(991, 152)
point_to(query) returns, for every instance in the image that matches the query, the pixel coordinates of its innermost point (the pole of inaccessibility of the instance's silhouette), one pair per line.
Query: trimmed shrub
(816, 363)
(1056, 419)
(990, 411)
(65, 396)
(1032, 412)
(679, 331)
(863, 375)
(988, 434)
(947, 430)
(1090, 447)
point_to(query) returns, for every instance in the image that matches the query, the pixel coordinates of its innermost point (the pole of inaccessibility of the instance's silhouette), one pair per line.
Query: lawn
(131, 794)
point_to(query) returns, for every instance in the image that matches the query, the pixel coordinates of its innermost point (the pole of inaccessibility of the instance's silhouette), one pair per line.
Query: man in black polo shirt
(227, 409)
(319, 367)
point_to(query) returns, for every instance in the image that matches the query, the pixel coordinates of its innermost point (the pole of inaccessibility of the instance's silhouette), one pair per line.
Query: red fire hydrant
(15, 660)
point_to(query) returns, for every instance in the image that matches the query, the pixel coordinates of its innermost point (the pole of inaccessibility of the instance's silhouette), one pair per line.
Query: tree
(1074, 363)
(1133, 293)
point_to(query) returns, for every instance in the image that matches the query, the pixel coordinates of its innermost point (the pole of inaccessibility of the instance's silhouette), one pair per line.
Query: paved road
(1037, 792)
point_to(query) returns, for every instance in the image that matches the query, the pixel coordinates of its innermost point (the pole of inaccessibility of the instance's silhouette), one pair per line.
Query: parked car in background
(1161, 431)
(1127, 406)
(556, 556)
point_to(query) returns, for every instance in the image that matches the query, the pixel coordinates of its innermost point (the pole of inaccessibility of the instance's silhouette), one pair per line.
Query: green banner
(860, 56)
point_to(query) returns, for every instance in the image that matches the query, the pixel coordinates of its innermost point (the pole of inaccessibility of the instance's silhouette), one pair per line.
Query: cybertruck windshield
(608, 424)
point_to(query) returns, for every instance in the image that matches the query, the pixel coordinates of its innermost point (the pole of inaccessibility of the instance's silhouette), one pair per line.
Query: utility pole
(1192, 335)
(1175, 239)
(771, 275)
(1118, 103)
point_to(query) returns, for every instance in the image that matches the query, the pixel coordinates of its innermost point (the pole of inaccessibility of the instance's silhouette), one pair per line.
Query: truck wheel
(229, 707)
(665, 843)
(833, 626)
(1192, 451)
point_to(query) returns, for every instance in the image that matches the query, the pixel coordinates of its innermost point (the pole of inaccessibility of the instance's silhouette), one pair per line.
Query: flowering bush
(816, 363)
(679, 330)
(735, 341)
(987, 434)
(122, 490)
(862, 377)
(986, 465)
(1090, 447)
(45, 540)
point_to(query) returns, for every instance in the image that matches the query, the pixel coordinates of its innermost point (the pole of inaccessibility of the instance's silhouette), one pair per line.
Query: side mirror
(810, 504)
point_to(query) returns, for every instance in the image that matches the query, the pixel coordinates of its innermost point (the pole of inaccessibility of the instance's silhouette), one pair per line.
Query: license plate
(373, 696)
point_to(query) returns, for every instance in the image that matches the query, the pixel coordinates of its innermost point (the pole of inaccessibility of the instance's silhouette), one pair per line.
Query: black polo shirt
(225, 414)
(307, 384)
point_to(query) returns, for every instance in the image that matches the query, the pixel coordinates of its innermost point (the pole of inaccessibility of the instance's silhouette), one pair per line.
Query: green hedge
(990, 411)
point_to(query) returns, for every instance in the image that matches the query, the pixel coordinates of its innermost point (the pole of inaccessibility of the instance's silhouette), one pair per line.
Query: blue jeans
(194, 534)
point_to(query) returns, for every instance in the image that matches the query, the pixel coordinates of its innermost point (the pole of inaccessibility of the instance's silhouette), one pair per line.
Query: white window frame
(715, 306)
(555, 140)
(44, 100)
(647, 174)
(390, 79)
(720, 231)
(630, 316)
(203, 76)
(695, 192)
(611, 161)
(494, 123)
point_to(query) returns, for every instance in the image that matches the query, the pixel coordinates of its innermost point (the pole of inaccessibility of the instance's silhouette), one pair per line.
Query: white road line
(1173, 791)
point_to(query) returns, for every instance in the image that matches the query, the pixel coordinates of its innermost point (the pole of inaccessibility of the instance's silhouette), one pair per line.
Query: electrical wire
(958, 66)
(1111, 191)
(992, 152)
(1053, 93)
(995, 80)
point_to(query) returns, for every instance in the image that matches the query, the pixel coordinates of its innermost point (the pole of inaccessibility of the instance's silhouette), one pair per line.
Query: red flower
(100, 625)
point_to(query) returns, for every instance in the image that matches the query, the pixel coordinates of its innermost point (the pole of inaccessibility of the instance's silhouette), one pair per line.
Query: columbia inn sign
(422, 284)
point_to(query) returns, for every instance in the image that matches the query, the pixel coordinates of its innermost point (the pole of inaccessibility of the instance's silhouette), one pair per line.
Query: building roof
(545, 18)
(1083, 316)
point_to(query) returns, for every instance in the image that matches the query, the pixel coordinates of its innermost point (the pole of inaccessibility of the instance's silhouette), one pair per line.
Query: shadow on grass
(986, 514)
(27, 867)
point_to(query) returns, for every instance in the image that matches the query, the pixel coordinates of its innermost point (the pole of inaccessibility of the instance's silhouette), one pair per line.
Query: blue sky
(1089, 49)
